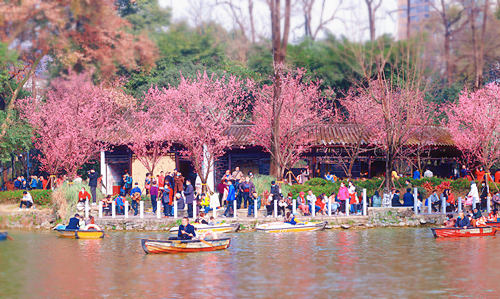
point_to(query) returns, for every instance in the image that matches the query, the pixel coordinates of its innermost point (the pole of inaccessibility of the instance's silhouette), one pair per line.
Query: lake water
(389, 263)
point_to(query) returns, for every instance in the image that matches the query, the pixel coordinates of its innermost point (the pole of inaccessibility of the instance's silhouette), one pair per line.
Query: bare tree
(308, 10)
(239, 16)
(373, 6)
(452, 23)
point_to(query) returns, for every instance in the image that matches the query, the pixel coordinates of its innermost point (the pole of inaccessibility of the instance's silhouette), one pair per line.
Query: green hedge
(460, 187)
(40, 197)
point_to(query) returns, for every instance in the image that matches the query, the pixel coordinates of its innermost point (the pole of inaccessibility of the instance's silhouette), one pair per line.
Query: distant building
(420, 10)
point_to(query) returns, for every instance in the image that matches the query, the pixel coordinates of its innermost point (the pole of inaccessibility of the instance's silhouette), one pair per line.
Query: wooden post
(141, 209)
(175, 208)
(275, 209)
(415, 200)
(255, 208)
(329, 206)
(100, 208)
(158, 209)
(460, 204)
(126, 208)
(87, 207)
(113, 209)
(235, 211)
(364, 202)
(294, 206)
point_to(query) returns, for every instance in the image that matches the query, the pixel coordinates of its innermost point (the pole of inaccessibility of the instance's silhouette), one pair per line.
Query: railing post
(294, 206)
(194, 209)
(364, 202)
(175, 208)
(488, 203)
(87, 207)
(313, 208)
(329, 206)
(429, 205)
(460, 204)
(235, 211)
(100, 209)
(126, 208)
(415, 200)
(141, 209)
(158, 209)
(255, 208)
(275, 208)
(443, 205)
(113, 209)
(347, 207)
(473, 203)
(214, 212)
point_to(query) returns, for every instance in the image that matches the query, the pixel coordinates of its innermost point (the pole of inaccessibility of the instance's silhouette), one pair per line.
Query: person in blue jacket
(34, 182)
(74, 222)
(186, 230)
(416, 175)
(462, 221)
(230, 198)
(408, 198)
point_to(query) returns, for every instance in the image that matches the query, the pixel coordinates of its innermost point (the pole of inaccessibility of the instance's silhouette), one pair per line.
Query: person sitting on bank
(186, 230)
(408, 198)
(83, 196)
(27, 200)
(251, 206)
(396, 199)
(290, 218)
(106, 205)
(462, 221)
(74, 222)
(120, 205)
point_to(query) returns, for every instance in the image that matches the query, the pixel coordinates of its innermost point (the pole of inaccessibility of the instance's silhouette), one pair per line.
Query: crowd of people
(20, 183)
(474, 218)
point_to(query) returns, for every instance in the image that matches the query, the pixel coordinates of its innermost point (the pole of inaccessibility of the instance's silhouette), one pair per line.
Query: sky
(351, 16)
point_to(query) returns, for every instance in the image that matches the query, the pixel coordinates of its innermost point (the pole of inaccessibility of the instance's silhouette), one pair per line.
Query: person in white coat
(474, 193)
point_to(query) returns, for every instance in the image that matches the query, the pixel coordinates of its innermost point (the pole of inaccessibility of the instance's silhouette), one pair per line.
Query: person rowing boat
(186, 230)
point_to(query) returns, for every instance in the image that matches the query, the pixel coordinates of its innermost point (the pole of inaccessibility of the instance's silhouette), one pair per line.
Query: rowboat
(3, 236)
(452, 232)
(218, 228)
(80, 234)
(179, 246)
(495, 225)
(280, 227)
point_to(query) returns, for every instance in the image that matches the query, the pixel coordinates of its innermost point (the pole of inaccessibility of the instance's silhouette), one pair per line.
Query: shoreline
(45, 220)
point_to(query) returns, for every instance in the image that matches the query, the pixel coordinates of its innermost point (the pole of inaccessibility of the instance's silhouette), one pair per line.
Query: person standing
(416, 174)
(93, 176)
(161, 179)
(275, 194)
(230, 199)
(178, 182)
(428, 173)
(408, 198)
(246, 188)
(167, 198)
(147, 183)
(483, 196)
(153, 191)
(189, 195)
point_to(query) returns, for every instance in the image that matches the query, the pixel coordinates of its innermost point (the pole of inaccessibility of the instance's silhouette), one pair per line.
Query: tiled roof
(345, 133)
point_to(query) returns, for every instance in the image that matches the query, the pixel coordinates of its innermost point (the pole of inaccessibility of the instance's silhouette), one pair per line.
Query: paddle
(206, 243)
(10, 238)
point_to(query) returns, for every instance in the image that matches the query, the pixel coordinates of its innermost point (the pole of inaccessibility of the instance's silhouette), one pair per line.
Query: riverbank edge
(377, 217)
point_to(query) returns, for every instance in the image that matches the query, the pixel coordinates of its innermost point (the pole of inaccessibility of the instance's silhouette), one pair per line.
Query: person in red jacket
(83, 195)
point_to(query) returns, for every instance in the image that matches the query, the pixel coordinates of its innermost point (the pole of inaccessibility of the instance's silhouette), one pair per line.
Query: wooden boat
(80, 234)
(452, 232)
(3, 236)
(178, 246)
(280, 227)
(495, 225)
(218, 228)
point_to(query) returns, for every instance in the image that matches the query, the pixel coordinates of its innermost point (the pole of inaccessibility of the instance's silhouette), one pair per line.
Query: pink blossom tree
(391, 115)
(72, 123)
(202, 110)
(285, 118)
(148, 129)
(474, 124)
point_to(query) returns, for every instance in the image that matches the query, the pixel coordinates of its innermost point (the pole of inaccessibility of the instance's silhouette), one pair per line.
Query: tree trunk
(408, 19)
(371, 20)
(389, 161)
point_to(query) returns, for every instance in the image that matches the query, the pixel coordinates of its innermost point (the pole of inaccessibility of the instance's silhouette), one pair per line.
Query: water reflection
(367, 263)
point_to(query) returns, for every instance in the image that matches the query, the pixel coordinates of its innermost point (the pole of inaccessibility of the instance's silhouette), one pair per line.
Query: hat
(273, 182)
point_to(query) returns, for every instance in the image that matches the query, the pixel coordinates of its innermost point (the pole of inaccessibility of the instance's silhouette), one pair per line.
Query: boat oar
(206, 243)
(10, 238)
